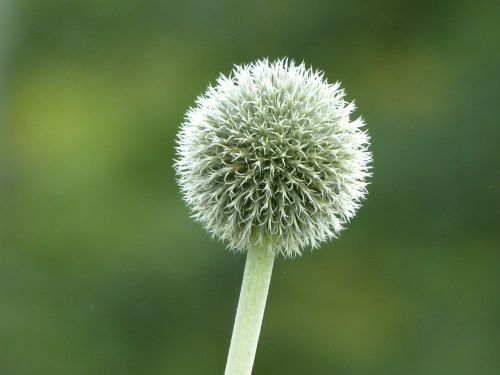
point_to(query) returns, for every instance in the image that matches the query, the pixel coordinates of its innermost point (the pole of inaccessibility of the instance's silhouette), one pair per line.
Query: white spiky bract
(270, 157)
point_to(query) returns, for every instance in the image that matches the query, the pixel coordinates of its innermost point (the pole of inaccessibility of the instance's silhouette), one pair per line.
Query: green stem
(254, 289)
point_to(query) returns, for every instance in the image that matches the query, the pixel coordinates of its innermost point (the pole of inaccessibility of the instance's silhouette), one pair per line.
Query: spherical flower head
(270, 157)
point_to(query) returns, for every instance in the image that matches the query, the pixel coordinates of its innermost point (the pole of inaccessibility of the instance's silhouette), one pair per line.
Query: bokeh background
(101, 269)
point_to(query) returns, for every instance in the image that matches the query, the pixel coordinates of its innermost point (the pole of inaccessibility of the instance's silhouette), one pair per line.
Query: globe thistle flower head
(270, 157)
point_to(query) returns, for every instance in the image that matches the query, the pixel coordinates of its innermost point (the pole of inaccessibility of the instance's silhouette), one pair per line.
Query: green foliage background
(101, 269)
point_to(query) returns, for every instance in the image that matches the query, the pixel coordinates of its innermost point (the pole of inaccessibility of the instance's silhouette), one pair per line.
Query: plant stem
(251, 305)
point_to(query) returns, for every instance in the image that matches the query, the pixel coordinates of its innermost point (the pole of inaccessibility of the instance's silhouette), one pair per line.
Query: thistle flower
(270, 161)
(270, 157)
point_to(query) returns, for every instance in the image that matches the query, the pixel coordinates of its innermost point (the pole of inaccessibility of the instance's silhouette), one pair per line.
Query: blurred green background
(101, 269)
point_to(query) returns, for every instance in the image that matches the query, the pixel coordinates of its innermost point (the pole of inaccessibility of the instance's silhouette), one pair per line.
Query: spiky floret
(270, 157)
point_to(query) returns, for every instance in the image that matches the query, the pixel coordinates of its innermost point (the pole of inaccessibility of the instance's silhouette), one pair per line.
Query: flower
(270, 157)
